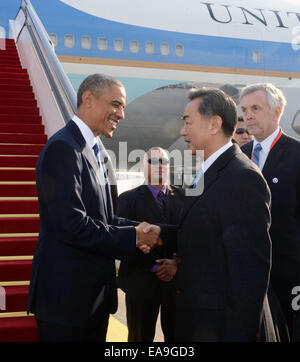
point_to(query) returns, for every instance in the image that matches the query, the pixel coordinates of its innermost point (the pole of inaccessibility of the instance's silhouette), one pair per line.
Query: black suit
(282, 173)
(144, 291)
(225, 247)
(73, 273)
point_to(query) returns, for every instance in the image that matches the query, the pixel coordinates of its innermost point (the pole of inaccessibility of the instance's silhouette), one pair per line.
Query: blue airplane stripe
(198, 50)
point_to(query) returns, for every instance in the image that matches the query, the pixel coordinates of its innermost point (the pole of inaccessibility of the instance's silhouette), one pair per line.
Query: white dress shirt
(266, 145)
(91, 140)
(212, 158)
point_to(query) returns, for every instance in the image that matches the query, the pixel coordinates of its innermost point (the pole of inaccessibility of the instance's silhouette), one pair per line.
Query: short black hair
(96, 83)
(216, 102)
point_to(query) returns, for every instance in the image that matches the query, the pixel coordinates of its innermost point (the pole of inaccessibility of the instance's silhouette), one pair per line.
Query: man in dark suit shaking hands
(278, 156)
(223, 232)
(72, 286)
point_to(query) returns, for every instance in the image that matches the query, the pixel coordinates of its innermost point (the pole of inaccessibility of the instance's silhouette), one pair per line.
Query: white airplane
(161, 48)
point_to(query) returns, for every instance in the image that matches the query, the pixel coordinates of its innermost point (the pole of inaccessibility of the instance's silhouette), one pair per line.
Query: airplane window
(164, 48)
(53, 38)
(179, 50)
(102, 44)
(118, 45)
(86, 42)
(134, 46)
(149, 47)
(69, 41)
(256, 56)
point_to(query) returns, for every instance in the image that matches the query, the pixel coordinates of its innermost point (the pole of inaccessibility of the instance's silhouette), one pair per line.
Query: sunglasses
(242, 131)
(155, 161)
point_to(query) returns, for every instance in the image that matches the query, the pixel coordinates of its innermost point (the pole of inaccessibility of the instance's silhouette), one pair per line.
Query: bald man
(148, 280)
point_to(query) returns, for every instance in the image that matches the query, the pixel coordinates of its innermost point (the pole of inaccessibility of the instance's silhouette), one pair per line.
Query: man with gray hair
(73, 282)
(278, 157)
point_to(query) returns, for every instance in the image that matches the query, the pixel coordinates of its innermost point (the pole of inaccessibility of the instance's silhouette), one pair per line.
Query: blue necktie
(256, 151)
(198, 177)
(96, 152)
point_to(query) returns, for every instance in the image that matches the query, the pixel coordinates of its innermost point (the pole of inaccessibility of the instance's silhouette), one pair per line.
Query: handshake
(147, 237)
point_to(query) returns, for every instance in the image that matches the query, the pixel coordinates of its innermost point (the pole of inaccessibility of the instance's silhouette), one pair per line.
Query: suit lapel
(203, 185)
(247, 149)
(89, 156)
(274, 156)
(210, 176)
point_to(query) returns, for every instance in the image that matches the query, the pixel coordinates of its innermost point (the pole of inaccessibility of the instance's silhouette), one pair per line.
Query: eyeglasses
(155, 161)
(242, 131)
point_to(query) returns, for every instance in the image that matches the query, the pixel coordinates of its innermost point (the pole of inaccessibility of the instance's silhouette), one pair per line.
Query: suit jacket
(135, 276)
(282, 173)
(224, 243)
(73, 272)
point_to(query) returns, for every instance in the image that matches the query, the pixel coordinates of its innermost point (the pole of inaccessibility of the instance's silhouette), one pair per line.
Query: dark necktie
(161, 201)
(101, 165)
(96, 152)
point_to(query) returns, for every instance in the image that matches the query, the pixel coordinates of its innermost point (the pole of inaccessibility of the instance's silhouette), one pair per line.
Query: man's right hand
(147, 237)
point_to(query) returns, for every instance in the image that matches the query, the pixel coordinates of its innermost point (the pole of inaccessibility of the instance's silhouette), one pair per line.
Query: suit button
(178, 291)
(179, 230)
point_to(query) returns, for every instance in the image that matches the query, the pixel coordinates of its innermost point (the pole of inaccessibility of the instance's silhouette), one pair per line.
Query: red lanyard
(273, 143)
(276, 139)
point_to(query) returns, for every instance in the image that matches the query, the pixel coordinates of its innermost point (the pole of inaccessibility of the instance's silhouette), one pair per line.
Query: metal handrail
(61, 86)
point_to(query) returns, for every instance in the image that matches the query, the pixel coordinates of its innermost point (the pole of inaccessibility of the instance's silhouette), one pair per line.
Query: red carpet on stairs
(17, 246)
(21, 140)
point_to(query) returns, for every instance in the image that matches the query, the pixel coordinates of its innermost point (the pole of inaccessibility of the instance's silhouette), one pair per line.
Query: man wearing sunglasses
(241, 135)
(147, 281)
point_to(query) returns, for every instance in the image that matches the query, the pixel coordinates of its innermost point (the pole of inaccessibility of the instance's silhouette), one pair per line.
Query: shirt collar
(86, 132)
(212, 158)
(267, 142)
(155, 191)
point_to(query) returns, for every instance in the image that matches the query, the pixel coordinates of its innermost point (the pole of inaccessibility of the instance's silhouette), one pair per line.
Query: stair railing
(61, 86)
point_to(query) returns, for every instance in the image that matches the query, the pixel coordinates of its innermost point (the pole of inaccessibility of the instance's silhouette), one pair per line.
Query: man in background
(147, 279)
(241, 134)
(278, 157)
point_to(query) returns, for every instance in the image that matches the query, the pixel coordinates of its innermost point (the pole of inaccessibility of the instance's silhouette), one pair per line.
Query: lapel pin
(275, 180)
